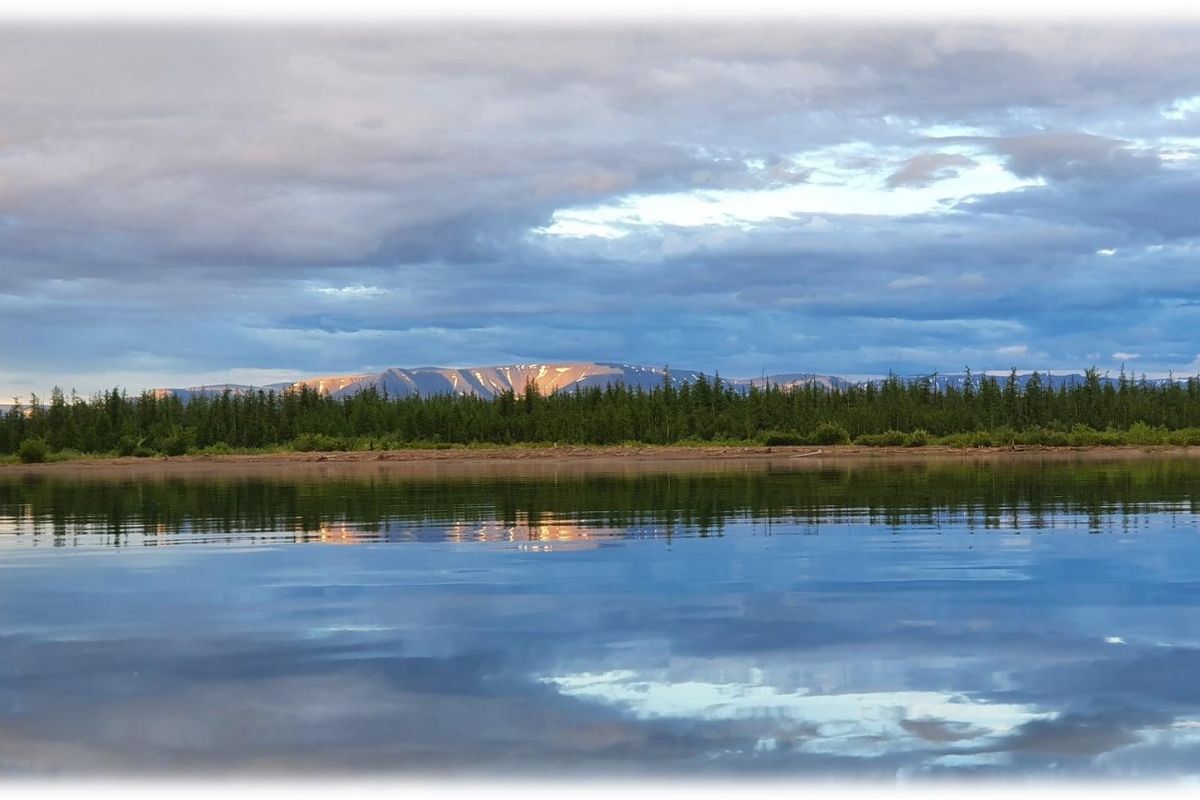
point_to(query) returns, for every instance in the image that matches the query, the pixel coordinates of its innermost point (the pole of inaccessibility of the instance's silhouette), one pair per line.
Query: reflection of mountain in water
(547, 534)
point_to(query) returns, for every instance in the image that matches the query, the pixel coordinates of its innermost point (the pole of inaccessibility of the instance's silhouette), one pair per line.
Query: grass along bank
(828, 435)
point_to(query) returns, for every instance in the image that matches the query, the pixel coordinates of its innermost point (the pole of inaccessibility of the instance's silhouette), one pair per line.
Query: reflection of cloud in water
(859, 724)
(894, 648)
(1162, 748)
(355, 720)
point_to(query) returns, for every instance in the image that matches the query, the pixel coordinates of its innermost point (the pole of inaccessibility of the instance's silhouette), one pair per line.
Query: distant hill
(218, 389)
(490, 381)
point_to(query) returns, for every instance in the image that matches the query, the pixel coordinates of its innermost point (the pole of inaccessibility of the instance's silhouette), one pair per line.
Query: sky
(194, 203)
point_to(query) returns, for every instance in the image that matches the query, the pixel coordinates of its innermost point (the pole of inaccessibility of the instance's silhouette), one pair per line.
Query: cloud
(928, 168)
(303, 200)
(913, 282)
(357, 291)
(1072, 155)
(1072, 735)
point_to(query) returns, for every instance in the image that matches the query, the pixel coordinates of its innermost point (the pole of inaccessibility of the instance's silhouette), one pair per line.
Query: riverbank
(541, 460)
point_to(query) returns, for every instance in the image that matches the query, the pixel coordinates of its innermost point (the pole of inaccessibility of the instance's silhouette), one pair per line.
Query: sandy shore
(567, 460)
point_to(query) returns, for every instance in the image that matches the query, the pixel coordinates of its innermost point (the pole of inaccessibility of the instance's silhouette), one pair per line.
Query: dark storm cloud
(178, 202)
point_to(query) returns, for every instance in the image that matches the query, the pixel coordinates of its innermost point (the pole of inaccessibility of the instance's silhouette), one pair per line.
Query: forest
(985, 411)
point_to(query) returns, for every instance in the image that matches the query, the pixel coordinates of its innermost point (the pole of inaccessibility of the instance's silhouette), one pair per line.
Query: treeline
(984, 411)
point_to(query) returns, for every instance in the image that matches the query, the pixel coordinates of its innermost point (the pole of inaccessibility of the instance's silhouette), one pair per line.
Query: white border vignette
(579, 12)
(527, 11)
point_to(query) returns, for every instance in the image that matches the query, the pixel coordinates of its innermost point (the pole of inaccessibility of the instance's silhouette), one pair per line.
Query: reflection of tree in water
(983, 495)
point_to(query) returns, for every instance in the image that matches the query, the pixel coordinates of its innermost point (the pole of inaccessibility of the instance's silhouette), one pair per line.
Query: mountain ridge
(490, 381)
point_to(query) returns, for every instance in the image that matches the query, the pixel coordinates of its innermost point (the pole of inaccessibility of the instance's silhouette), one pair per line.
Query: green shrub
(67, 454)
(126, 446)
(829, 433)
(1085, 436)
(431, 445)
(918, 438)
(1185, 437)
(176, 444)
(961, 440)
(1003, 436)
(967, 439)
(981, 439)
(1046, 437)
(33, 451)
(782, 438)
(889, 438)
(316, 442)
(1142, 434)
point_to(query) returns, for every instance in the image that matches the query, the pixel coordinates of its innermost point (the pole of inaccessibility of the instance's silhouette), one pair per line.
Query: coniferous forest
(985, 411)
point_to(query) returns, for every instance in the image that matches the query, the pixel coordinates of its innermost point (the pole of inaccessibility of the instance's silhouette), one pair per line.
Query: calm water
(1033, 619)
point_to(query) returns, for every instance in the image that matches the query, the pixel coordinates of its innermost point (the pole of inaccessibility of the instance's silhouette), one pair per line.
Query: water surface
(1001, 618)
